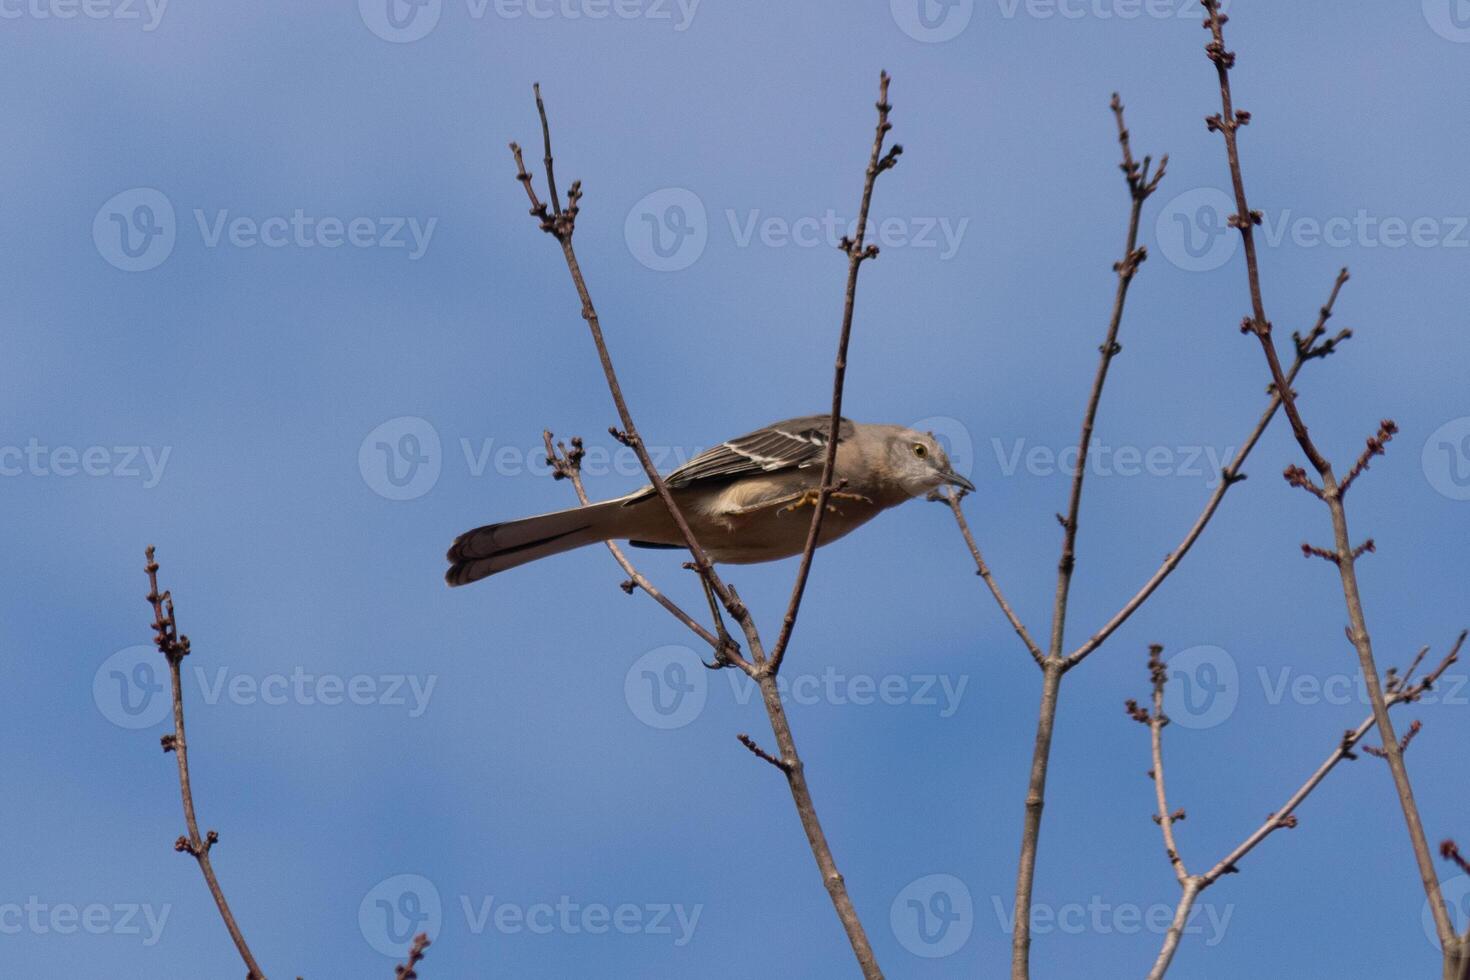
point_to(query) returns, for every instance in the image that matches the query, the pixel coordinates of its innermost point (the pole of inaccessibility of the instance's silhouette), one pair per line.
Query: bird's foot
(809, 498)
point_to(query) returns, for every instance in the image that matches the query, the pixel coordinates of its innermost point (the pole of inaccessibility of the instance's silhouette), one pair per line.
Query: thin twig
(174, 649)
(1141, 185)
(1285, 816)
(1228, 123)
(562, 225)
(1229, 477)
(952, 497)
(1156, 720)
(407, 971)
(759, 752)
(566, 464)
(857, 254)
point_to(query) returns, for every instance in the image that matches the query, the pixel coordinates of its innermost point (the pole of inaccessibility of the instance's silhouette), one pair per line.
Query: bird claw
(809, 498)
(723, 657)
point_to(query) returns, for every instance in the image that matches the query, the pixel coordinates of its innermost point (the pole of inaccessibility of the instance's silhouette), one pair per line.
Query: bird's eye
(921, 450)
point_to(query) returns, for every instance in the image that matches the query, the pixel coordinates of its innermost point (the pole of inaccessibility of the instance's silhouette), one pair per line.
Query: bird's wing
(794, 443)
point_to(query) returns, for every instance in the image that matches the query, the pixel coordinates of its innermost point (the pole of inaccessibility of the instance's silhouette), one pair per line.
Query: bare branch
(562, 225)
(857, 254)
(566, 464)
(175, 648)
(952, 498)
(1159, 676)
(1284, 818)
(1228, 123)
(1141, 185)
(1308, 349)
(761, 753)
(407, 971)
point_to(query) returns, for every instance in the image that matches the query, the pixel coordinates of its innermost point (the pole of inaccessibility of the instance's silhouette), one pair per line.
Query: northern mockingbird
(742, 498)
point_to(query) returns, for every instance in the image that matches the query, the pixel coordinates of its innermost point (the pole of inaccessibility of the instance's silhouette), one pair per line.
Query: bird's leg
(809, 498)
(727, 643)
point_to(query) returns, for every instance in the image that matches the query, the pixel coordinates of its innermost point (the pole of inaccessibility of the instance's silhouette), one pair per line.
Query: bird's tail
(496, 547)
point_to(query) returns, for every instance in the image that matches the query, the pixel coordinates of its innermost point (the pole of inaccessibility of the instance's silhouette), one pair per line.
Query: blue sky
(327, 269)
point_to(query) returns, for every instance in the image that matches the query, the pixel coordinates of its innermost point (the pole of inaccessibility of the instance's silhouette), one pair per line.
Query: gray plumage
(747, 500)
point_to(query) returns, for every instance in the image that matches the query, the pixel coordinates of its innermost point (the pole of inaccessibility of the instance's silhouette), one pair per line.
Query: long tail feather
(496, 547)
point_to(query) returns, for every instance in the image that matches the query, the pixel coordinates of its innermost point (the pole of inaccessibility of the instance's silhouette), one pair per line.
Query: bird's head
(919, 463)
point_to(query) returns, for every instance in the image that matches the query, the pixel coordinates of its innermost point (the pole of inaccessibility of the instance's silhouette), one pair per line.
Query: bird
(743, 499)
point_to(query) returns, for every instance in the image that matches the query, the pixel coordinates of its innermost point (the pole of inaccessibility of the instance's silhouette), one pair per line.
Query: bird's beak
(955, 480)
